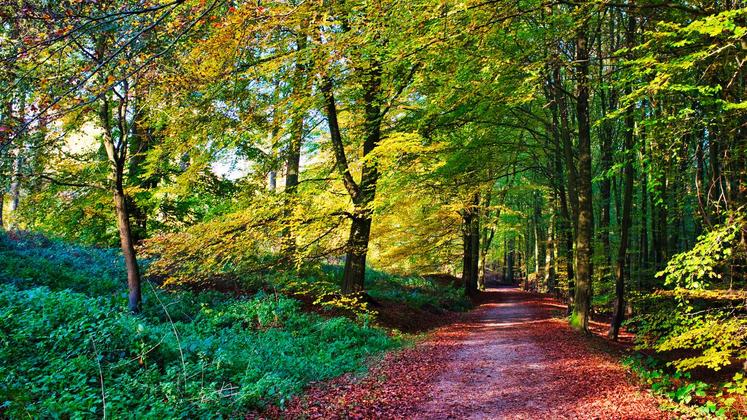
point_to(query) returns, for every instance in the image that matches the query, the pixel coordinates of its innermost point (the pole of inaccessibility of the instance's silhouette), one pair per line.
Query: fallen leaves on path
(510, 358)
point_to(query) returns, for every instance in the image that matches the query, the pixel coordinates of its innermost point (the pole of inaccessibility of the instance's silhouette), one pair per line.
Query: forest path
(518, 360)
(512, 357)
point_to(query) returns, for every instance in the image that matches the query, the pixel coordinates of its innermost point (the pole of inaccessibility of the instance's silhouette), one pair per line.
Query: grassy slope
(65, 339)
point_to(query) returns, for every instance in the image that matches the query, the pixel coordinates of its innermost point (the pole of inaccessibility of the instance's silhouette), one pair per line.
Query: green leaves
(697, 268)
(231, 354)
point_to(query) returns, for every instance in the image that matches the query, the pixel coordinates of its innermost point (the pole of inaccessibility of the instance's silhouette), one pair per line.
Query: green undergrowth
(414, 291)
(686, 396)
(69, 349)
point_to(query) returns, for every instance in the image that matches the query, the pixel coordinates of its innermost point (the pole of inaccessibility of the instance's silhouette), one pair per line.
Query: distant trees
(581, 147)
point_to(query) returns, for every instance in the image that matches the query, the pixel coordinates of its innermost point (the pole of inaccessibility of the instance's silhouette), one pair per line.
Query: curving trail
(510, 358)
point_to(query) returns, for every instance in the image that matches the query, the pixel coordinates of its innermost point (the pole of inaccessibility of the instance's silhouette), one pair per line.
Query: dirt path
(510, 358)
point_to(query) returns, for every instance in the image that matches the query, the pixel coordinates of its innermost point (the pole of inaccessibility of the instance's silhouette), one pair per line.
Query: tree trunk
(644, 248)
(2, 205)
(355, 260)
(300, 89)
(582, 304)
(660, 228)
(510, 262)
(128, 250)
(117, 157)
(564, 224)
(471, 246)
(272, 181)
(486, 240)
(550, 256)
(567, 143)
(15, 180)
(362, 194)
(619, 308)
(539, 242)
(699, 176)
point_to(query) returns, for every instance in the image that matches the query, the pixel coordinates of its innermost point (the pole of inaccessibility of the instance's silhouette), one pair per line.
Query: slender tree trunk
(716, 191)
(117, 159)
(567, 143)
(539, 242)
(300, 86)
(15, 183)
(565, 223)
(510, 262)
(15, 180)
(471, 244)
(272, 181)
(2, 205)
(486, 241)
(582, 303)
(699, 186)
(550, 255)
(128, 250)
(661, 227)
(644, 248)
(619, 309)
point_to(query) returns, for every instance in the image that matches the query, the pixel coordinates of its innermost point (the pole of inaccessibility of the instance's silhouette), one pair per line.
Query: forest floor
(514, 356)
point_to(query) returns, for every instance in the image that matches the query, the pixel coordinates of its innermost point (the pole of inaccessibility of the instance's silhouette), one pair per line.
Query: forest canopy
(591, 150)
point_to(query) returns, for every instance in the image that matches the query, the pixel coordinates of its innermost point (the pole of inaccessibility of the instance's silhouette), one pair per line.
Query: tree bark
(564, 224)
(362, 194)
(644, 248)
(117, 158)
(2, 205)
(619, 308)
(582, 303)
(471, 245)
(539, 242)
(128, 250)
(510, 261)
(550, 256)
(567, 143)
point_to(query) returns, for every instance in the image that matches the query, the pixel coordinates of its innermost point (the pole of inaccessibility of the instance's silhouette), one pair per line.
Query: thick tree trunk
(355, 260)
(563, 228)
(362, 194)
(582, 303)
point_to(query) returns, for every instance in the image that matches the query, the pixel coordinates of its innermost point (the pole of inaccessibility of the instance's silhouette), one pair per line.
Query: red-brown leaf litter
(512, 357)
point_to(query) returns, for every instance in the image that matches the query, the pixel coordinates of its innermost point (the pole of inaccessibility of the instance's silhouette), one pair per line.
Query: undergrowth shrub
(69, 349)
(62, 350)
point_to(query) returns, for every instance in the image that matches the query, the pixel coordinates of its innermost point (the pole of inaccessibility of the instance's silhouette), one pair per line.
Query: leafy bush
(693, 399)
(69, 348)
(701, 316)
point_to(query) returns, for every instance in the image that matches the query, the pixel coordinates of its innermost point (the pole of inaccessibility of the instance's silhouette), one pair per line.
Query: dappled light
(427, 209)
